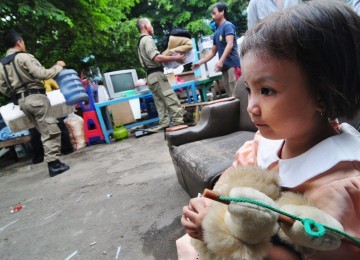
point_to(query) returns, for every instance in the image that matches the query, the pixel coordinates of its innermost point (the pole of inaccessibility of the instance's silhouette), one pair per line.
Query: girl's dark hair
(221, 8)
(323, 37)
(10, 38)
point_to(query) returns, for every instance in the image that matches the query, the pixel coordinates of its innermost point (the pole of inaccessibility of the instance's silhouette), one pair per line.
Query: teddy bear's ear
(221, 224)
(260, 223)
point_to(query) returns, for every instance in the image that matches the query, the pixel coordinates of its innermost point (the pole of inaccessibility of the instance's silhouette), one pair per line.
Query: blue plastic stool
(92, 92)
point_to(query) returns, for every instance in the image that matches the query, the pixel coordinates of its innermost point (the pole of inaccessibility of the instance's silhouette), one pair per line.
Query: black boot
(56, 167)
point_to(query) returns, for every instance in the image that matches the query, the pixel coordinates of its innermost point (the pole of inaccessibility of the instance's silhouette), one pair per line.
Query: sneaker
(57, 167)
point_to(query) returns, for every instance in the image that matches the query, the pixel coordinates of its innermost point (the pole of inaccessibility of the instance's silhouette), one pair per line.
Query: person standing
(259, 9)
(165, 99)
(224, 42)
(21, 76)
(355, 4)
(36, 144)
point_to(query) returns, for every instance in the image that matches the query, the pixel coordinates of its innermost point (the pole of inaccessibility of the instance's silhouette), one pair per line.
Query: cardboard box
(210, 65)
(205, 42)
(122, 113)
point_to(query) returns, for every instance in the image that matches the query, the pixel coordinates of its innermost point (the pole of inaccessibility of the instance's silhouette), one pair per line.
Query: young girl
(301, 67)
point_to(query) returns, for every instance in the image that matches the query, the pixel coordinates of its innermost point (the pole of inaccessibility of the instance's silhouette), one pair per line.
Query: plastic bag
(75, 124)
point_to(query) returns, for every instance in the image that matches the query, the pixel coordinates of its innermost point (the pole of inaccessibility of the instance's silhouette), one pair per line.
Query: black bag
(175, 32)
(180, 32)
(7, 60)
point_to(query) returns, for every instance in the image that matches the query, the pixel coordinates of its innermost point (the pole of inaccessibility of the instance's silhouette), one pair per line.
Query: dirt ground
(118, 201)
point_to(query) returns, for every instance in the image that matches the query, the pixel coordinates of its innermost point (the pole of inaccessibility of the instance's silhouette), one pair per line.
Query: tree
(193, 15)
(66, 30)
(71, 30)
(168, 14)
(238, 15)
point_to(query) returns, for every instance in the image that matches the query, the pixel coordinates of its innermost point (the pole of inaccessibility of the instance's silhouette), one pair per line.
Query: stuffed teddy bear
(244, 230)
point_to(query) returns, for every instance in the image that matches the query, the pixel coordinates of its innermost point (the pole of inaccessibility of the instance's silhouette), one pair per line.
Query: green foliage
(193, 15)
(70, 30)
(237, 14)
(65, 30)
(122, 53)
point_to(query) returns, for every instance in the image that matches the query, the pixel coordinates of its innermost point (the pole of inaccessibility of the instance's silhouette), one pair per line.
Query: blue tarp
(6, 134)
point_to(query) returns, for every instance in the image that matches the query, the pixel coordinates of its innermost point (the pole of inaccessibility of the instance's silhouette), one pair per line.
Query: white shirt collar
(11, 51)
(318, 159)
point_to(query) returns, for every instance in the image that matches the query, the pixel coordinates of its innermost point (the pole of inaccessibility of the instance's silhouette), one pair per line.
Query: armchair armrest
(216, 120)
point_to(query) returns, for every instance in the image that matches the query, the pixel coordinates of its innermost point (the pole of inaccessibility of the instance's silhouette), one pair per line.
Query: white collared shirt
(259, 9)
(315, 161)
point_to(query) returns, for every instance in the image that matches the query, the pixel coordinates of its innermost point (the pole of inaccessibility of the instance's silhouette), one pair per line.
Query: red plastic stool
(92, 129)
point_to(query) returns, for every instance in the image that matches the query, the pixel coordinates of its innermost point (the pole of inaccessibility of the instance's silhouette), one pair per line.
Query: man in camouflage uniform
(166, 101)
(21, 78)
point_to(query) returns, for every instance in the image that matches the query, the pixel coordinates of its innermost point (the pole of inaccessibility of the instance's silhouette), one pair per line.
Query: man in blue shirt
(224, 42)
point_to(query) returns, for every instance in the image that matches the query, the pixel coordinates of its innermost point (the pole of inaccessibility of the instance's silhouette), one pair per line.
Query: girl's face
(280, 104)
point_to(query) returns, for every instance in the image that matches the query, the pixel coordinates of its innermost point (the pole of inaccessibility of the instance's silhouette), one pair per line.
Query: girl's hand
(193, 215)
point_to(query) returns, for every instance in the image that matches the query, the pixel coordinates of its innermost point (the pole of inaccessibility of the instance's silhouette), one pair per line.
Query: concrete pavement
(120, 199)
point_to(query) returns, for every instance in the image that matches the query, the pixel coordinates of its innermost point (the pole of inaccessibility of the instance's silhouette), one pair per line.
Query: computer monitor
(119, 82)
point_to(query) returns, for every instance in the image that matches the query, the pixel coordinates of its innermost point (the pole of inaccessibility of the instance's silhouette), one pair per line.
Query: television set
(119, 82)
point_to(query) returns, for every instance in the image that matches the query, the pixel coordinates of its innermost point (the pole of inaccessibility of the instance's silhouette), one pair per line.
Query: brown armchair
(201, 153)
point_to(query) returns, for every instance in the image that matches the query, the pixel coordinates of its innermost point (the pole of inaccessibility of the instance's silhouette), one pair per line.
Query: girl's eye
(267, 91)
(248, 90)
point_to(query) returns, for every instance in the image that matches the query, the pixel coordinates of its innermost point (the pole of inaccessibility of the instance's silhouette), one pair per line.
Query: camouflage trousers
(36, 108)
(165, 99)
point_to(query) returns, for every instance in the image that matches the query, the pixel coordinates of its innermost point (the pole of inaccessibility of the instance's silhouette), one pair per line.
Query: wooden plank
(15, 141)
(201, 104)
(175, 128)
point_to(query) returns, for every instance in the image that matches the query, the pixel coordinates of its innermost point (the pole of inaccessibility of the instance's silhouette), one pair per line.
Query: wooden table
(14, 141)
(105, 123)
(201, 104)
(205, 85)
